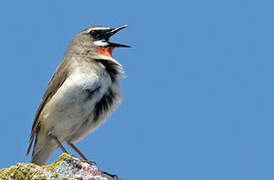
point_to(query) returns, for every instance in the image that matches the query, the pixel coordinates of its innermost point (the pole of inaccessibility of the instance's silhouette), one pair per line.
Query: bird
(82, 93)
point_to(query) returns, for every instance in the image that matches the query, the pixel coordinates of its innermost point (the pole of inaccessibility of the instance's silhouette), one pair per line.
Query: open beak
(113, 31)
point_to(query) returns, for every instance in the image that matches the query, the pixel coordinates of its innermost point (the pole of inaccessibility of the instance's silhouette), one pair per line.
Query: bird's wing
(55, 83)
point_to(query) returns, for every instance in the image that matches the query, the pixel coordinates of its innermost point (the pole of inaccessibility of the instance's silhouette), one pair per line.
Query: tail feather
(42, 150)
(29, 146)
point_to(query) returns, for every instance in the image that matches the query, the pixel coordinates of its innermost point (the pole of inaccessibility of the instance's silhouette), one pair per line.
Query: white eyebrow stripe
(97, 28)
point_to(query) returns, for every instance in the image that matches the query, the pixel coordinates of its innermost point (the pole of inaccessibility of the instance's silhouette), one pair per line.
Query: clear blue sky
(198, 100)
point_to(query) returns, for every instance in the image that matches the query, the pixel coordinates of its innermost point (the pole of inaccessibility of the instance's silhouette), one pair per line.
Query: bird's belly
(73, 105)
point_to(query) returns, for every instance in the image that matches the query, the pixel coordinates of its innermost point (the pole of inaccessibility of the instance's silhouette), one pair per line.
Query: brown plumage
(81, 94)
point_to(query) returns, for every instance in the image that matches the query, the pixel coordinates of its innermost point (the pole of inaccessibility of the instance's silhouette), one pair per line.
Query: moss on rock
(28, 171)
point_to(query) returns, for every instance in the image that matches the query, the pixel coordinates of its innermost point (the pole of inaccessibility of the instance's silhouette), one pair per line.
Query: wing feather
(55, 83)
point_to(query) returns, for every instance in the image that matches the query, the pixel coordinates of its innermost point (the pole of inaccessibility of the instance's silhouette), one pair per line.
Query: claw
(92, 162)
(114, 176)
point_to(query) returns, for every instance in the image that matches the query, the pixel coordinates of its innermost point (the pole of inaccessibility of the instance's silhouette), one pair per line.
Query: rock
(65, 167)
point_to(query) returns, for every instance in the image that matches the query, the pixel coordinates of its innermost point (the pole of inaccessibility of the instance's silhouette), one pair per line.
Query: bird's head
(94, 41)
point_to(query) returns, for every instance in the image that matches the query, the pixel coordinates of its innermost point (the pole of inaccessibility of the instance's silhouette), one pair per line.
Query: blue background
(198, 100)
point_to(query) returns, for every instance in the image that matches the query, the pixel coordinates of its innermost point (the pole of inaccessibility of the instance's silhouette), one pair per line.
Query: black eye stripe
(97, 34)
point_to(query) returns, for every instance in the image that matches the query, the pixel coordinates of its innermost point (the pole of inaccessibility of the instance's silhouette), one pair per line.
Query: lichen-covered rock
(65, 167)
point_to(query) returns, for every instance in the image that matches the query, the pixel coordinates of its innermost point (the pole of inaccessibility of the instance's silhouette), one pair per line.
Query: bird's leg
(80, 154)
(59, 143)
(91, 162)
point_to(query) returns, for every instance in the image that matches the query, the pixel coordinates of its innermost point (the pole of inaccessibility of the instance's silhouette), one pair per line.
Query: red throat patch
(105, 51)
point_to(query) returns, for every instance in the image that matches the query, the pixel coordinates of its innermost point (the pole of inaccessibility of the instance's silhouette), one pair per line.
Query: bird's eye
(93, 33)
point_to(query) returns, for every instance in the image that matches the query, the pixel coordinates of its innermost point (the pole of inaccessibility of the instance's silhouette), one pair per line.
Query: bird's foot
(91, 162)
(114, 176)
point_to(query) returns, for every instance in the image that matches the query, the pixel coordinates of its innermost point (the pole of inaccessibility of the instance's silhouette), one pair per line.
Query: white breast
(70, 107)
